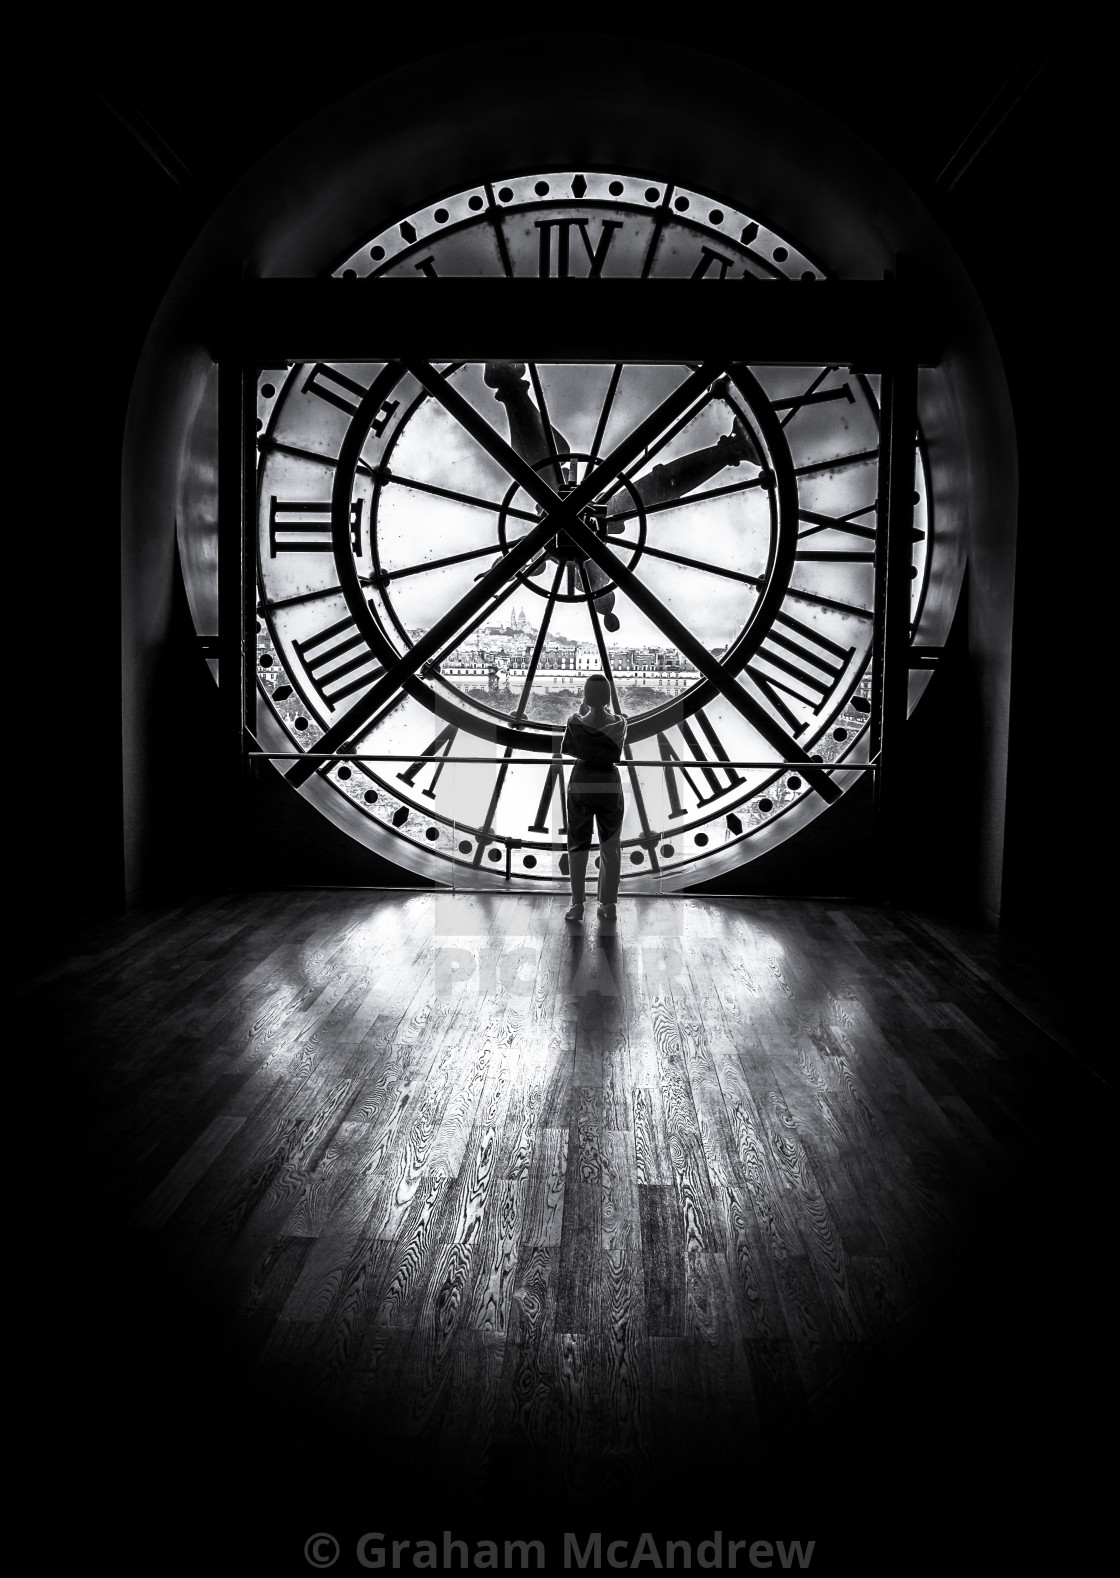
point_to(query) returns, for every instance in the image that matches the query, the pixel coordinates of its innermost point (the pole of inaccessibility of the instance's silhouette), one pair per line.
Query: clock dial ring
(437, 696)
(777, 479)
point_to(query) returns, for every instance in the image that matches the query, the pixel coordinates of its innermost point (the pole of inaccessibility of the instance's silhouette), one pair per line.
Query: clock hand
(668, 482)
(640, 438)
(624, 453)
(487, 438)
(530, 431)
(561, 510)
(634, 444)
(680, 476)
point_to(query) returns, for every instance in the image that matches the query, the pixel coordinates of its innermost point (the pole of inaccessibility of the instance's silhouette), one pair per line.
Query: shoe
(574, 912)
(607, 914)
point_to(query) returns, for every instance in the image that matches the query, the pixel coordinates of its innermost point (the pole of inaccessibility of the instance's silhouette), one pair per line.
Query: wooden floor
(391, 1210)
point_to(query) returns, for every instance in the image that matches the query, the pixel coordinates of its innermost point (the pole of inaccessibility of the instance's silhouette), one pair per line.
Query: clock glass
(416, 615)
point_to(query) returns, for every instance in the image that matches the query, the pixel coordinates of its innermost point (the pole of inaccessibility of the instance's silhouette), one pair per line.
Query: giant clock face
(406, 619)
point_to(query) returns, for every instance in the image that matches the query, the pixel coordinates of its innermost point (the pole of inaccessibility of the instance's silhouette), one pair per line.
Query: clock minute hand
(488, 438)
(596, 479)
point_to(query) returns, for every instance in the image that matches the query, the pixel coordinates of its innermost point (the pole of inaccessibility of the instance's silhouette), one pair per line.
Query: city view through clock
(414, 609)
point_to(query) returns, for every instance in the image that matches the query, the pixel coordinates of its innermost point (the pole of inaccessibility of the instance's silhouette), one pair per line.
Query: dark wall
(914, 102)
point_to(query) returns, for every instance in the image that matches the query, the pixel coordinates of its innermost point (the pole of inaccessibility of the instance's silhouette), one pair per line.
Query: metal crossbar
(541, 760)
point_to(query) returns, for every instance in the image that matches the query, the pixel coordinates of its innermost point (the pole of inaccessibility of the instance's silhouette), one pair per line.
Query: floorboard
(431, 1194)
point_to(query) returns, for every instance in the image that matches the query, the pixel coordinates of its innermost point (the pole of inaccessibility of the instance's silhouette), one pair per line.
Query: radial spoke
(538, 648)
(813, 387)
(467, 630)
(298, 453)
(844, 523)
(460, 498)
(487, 437)
(432, 564)
(597, 630)
(300, 597)
(519, 713)
(604, 414)
(546, 424)
(692, 564)
(830, 602)
(690, 498)
(834, 465)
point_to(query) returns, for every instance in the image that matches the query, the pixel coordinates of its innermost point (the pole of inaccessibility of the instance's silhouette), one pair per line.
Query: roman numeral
(344, 393)
(851, 526)
(439, 749)
(596, 255)
(427, 267)
(555, 776)
(338, 661)
(708, 259)
(809, 666)
(815, 397)
(718, 779)
(297, 527)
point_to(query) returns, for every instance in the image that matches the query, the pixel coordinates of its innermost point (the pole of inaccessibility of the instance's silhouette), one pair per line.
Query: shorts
(594, 804)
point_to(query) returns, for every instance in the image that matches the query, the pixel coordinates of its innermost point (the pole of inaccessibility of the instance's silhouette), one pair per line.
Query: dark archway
(364, 159)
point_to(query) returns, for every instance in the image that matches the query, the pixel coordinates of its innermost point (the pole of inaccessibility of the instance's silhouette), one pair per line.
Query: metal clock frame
(874, 325)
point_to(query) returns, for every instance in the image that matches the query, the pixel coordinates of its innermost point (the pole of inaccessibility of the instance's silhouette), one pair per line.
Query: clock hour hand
(675, 478)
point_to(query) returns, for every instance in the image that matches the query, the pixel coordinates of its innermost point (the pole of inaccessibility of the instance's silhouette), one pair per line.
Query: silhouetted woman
(595, 737)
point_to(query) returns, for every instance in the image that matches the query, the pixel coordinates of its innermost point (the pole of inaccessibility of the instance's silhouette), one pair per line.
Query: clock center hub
(583, 579)
(564, 550)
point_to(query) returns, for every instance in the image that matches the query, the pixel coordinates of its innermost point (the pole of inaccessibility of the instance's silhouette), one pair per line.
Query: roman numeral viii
(297, 527)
